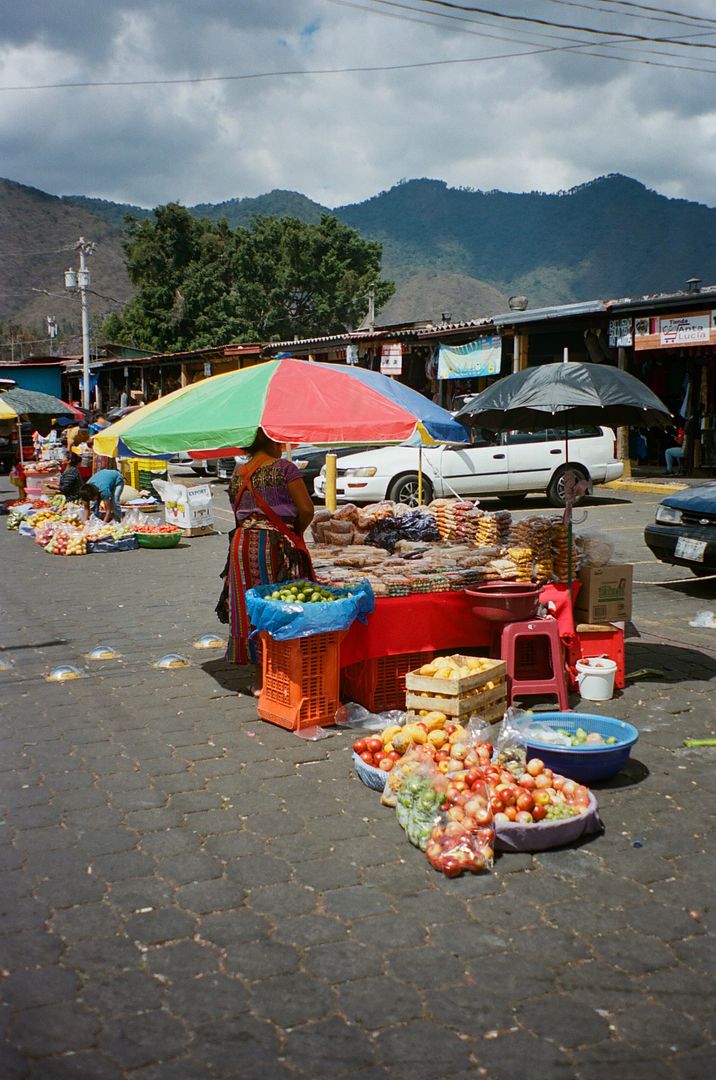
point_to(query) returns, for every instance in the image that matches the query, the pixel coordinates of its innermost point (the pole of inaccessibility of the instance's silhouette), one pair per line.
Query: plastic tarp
(285, 621)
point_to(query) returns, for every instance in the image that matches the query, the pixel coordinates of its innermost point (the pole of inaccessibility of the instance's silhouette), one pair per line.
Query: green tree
(201, 283)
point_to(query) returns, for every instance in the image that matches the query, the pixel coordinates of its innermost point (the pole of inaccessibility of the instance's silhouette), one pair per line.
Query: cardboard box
(605, 595)
(190, 508)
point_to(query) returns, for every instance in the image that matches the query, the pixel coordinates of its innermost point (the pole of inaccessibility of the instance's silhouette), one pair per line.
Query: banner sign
(675, 331)
(480, 357)
(391, 358)
(620, 333)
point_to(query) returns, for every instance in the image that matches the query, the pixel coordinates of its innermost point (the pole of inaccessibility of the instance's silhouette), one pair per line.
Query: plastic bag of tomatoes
(463, 840)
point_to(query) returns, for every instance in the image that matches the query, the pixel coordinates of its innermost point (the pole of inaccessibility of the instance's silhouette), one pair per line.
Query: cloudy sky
(216, 99)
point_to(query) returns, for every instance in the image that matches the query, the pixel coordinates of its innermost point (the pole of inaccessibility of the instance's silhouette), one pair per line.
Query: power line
(682, 18)
(585, 48)
(597, 31)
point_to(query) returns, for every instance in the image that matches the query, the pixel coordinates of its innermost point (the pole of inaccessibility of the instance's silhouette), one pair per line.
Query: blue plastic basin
(585, 764)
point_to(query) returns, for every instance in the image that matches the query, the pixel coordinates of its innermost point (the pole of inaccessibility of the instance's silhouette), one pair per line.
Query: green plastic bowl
(159, 540)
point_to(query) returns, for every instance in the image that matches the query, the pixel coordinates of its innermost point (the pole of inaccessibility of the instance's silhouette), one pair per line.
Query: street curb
(644, 485)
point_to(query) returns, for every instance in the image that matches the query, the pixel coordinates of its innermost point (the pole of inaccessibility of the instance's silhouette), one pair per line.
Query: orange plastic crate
(301, 681)
(379, 684)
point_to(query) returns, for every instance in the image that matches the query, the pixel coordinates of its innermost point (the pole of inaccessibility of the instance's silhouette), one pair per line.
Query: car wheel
(198, 470)
(555, 490)
(702, 571)
(515, 500)
(405, 490)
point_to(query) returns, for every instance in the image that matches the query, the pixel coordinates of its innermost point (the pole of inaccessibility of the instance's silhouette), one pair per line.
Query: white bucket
(595, 678)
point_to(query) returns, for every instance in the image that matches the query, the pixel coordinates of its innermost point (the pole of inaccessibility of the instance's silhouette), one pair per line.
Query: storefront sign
(675, 331)
(480, 357)
(391, 358)
(620, 333)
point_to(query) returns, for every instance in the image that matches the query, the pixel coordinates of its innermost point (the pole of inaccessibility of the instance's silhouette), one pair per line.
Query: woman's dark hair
(261, 442)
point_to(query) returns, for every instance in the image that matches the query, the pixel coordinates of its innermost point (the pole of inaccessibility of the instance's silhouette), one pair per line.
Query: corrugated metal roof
(561, 311)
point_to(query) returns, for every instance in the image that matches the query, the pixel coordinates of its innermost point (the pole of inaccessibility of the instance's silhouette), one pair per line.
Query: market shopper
(103, 491)
(273, 509)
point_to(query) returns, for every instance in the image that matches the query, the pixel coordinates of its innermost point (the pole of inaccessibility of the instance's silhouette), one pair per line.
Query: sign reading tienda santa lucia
(481, 357)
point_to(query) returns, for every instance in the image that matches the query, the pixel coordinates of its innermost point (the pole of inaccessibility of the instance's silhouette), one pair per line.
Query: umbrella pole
(420, 475)
(568, 513)
(19, 440)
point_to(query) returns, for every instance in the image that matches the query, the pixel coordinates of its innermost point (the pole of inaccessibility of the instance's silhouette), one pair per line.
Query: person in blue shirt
(103, 490)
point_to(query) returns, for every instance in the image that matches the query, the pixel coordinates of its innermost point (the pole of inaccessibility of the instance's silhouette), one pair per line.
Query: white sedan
(511, 466)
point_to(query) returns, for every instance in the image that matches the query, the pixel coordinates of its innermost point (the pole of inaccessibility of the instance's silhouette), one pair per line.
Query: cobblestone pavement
(187, 892)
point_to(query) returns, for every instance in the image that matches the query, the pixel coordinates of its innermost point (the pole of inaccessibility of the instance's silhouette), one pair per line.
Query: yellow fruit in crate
(444, 673)
(437, 738)
(417, 734)
(389, 732)
(457, 735)
(427, 669)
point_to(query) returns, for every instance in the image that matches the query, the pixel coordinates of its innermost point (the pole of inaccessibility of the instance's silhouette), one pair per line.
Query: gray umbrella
(35, 403)
(561, 395)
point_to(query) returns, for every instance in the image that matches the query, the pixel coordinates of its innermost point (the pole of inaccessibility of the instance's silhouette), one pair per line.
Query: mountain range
(449, 250)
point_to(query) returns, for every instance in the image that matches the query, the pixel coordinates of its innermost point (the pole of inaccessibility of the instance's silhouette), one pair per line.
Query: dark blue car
(684, 532)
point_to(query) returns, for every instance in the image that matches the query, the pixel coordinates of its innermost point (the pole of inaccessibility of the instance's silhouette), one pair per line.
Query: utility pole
(371, 306)
(80, 280)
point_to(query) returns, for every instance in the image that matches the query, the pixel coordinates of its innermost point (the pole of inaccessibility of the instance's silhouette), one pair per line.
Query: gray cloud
(544, 121)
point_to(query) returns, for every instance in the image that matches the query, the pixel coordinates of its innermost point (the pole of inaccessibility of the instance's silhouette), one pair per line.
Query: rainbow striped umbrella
(294, 401)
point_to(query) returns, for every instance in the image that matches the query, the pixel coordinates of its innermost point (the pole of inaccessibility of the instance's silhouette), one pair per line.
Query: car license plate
(690, 549)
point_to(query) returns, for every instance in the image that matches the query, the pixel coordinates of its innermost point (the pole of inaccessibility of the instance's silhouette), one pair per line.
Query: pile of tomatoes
(373, 752)
(537, 794)
(155, 530)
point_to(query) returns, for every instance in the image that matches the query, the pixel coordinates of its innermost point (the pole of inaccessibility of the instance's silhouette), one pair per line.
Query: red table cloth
(431, 622)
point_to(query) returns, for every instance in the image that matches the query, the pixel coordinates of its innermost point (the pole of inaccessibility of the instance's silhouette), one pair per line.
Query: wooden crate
(461, 696)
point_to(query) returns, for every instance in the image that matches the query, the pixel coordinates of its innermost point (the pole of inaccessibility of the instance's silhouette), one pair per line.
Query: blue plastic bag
(285, 621)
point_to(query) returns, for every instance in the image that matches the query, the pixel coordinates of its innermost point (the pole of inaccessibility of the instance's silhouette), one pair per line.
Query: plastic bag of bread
(340, 539)
(349, 512)
(340, 525)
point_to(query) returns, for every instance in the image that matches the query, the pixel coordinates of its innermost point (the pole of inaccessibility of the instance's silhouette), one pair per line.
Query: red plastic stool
(535, 664)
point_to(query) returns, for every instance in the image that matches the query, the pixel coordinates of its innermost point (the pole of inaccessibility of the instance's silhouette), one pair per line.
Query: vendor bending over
(103, 491)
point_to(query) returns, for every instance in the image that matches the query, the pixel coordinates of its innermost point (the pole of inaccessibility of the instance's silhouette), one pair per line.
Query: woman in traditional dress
(273, 509)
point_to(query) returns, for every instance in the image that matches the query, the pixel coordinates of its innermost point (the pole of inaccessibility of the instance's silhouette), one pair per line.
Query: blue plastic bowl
(586, 764)
(371, 777)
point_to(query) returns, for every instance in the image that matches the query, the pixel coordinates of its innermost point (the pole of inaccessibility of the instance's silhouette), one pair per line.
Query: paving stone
(48, 1029)
(29, 949)
(378, 1002)
(259, 960)
(654, 1026)
(119, 866)
(233, 1044)
(563, 1022)
(339, 962)
(41, 986)
(66, 891)
(283, 899)
(122, 991)
(231, 927)
(86, 921)
(143, 1038)
(25, 913)
(422, 1050)
(185, 868)
(75, 1066)
(206, 999)
(203, 897)
(154, 927)
(288, 1000)
(136, 894)
(501, 1056)
(254, 870)
(306, 930)
(329, 1048)
(324, 873)
(182, 960)
(357, 901)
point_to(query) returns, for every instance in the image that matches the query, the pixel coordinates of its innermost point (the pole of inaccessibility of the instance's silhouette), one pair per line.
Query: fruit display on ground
(153, 530)
(451, 745)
